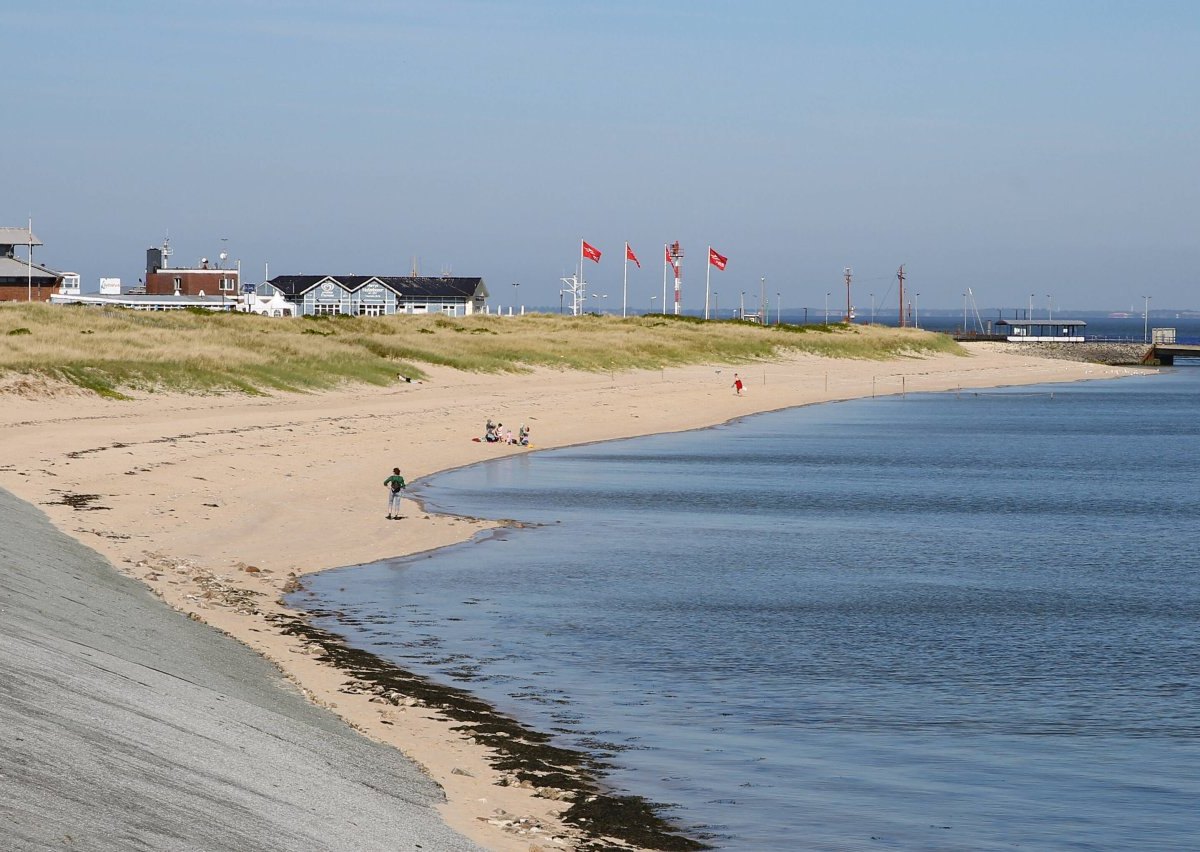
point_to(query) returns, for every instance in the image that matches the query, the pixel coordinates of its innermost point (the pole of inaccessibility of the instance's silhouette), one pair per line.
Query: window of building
(320, 309)
(227, 284)
(370, 310)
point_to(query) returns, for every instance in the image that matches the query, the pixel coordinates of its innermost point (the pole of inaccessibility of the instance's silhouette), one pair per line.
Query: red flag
(591, 252)
(717, 260)
(629, 255)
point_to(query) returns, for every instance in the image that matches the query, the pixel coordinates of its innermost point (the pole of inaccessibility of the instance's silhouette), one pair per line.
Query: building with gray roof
(382, 295)
(21, 279)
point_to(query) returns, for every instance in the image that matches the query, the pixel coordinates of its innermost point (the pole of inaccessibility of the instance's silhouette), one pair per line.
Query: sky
(1045, 149)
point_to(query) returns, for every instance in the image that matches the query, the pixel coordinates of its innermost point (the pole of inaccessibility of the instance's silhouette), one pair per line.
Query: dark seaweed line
(519, 750)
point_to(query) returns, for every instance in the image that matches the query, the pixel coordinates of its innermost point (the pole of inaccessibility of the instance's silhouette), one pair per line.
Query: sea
(946, 621)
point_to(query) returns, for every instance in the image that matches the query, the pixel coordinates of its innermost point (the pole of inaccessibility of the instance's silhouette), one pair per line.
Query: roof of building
(10, 267)
(140, 300)
(1043, 322)
(421, 287)
(201, 270)
(18, 237)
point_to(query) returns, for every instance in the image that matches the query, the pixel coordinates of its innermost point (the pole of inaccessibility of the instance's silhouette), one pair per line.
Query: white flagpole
(707, 277)
(581, 297)
(625, 285)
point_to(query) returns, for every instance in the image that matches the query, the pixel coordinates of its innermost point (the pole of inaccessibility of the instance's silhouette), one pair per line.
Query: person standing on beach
(737, 384)
(395, 484)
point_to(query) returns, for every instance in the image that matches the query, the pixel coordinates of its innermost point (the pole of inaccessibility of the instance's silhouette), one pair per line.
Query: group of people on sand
(496, 433)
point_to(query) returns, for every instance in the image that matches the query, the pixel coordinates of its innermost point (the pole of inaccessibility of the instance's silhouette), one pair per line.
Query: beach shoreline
(220, 504)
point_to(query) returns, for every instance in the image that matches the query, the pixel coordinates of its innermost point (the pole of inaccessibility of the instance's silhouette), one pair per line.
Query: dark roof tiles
(428, 287)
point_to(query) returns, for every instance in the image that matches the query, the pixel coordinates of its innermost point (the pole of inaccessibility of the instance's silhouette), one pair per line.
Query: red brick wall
(191, 282)
(20, 292)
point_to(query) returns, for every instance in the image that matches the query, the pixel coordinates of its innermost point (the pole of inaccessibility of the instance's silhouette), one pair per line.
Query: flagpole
(625, 285)
(581, 297)
(707, 277)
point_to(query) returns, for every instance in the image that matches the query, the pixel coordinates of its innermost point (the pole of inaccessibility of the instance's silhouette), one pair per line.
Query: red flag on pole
(717, 260)
(667, 254)
(591, 252)
(629, 255)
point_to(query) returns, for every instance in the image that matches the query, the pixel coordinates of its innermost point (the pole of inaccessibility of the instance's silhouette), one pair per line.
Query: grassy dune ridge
(112, 350)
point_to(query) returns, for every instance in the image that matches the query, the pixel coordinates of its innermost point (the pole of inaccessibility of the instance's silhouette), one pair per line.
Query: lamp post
(742, 306)
(517, 295)
(826, 309)
(916, 310)
(778, 308)
(716, 313)
(1146, 320)
(29, 265)
(1049, 308)
(872, 295)
(849, 308)
(1029, 313)
(653, 299)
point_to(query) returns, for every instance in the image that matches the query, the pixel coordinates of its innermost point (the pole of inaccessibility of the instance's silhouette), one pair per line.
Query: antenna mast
(900, 275)
(676, 255)
(578, 290)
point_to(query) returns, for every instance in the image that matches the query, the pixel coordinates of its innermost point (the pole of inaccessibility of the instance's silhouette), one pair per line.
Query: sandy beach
(219, 503)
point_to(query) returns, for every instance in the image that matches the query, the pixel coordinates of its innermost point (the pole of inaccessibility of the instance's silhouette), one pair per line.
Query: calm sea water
(939, 622)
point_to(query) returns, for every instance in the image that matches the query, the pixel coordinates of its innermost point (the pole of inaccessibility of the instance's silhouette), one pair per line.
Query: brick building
(22, 280)
(202, 280)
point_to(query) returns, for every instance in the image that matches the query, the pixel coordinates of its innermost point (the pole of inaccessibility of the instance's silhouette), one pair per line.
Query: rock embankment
(1096, 353)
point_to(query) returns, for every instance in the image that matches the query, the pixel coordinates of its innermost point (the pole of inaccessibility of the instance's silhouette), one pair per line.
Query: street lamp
(1029, 313)
(1049, 308)
(1146, 320)
(872, 309)
(916, 311)
(517, 295)
(652, 301)
(742, 306)
(826, 309)
(778, 306)
(716, 313)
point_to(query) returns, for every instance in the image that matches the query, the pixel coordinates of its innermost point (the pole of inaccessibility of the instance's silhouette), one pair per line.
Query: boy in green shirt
(395, 484)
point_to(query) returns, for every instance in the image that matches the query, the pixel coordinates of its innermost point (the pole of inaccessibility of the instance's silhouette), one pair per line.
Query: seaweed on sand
(610, 821)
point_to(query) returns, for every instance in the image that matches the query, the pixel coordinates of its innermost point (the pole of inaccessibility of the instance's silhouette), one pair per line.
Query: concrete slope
(124, 725)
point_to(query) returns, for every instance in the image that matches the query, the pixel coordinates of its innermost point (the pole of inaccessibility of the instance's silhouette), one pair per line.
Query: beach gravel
(127, 726)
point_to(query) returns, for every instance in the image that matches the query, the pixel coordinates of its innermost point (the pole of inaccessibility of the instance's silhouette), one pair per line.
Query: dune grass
(113, 351)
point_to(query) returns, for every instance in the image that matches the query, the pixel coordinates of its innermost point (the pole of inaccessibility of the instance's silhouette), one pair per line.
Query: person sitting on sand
(508, 438)
(523, 435)
(396, 485)
(492, 433)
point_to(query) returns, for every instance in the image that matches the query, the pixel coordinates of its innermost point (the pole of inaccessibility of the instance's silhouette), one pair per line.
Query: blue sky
(1010, 147)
